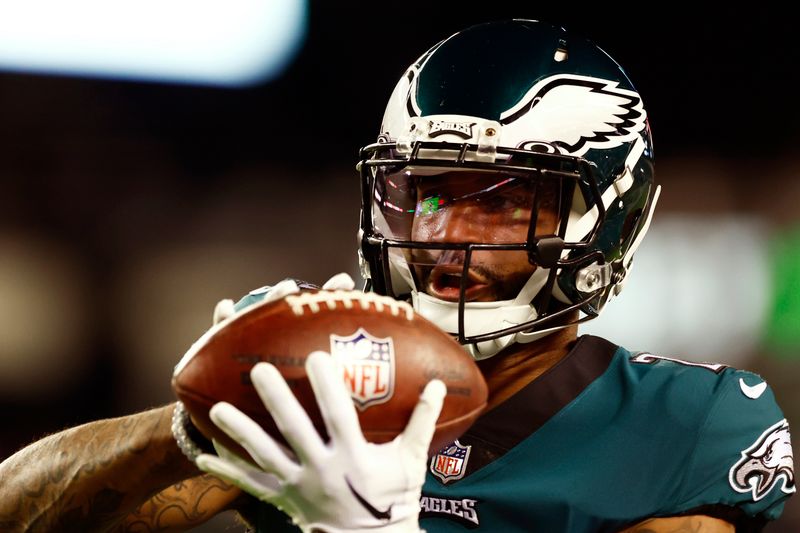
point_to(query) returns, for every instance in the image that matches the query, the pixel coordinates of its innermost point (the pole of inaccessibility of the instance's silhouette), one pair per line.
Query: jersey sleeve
(743, 457)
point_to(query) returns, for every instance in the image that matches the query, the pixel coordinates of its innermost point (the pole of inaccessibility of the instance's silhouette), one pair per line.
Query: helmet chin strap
(483, 317)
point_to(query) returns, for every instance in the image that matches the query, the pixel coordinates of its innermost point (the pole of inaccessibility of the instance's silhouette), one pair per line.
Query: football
(386, 351)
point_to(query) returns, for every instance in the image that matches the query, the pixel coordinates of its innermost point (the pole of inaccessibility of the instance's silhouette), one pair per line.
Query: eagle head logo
(765, 463)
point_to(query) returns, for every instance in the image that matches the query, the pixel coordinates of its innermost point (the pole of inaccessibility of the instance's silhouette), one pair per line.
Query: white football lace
(311, 301)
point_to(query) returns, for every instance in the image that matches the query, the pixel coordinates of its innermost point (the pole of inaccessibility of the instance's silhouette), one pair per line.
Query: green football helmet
(507, 124)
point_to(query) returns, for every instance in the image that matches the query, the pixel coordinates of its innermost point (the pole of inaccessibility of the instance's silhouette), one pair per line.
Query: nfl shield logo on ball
(450, 463)
(368, 366)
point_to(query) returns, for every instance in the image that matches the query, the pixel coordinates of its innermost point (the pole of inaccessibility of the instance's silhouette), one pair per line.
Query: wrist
(188, 438)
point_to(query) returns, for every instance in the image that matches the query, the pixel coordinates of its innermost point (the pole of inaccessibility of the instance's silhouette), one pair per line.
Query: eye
(497, 203)
(768, 456)
(511, 202)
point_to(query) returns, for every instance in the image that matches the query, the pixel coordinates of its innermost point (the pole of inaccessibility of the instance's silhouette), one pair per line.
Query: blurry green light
(429, 205)
(783, 328)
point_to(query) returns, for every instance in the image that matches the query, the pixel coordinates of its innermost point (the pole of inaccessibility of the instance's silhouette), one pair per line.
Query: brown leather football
(388, 354)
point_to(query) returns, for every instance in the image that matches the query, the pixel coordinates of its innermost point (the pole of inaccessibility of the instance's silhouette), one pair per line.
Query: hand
(347, 484)
(187, 436)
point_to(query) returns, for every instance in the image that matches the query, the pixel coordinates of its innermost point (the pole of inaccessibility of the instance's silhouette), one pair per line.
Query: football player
(510, 186)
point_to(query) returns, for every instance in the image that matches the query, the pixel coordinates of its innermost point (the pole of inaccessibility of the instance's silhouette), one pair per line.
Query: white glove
(340, 282)
(347, 484)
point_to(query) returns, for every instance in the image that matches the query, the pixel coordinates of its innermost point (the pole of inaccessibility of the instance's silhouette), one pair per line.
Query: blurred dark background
(128, 209)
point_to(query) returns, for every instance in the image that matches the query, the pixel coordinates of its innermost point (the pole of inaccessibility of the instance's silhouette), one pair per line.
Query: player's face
(486, 208)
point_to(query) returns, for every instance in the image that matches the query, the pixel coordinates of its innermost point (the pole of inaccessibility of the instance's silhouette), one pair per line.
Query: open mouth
(444, 282)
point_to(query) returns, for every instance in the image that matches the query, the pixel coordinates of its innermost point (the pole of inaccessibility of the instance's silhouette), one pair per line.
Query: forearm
(90, 477)
(184, 505)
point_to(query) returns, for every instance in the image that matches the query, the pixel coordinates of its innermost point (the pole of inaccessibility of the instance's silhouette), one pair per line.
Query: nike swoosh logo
(753, 392)
(377, 513)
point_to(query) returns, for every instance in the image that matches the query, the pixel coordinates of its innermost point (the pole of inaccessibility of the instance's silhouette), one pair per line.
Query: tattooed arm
(89, 478)
(682, 524)
(185, 504)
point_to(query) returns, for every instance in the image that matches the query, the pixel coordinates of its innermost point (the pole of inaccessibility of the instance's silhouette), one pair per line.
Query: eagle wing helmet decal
(765, 463)
(577, 113)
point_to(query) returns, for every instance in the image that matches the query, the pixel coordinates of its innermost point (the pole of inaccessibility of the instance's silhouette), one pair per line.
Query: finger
(225, 453)
(223, 310)
(281, 290)
(418, 433)
(261, 447)
(333, 399)
(290, 417)
(230, 456)
(341, 281)
(262, 485)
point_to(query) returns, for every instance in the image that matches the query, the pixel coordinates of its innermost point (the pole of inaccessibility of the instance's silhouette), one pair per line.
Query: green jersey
(608, 438)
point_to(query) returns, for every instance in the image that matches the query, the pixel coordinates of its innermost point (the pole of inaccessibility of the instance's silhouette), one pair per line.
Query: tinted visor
(436, 205)
(449, 210)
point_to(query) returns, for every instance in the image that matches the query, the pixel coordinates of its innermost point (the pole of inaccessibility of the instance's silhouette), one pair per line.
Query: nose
(450, 257)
